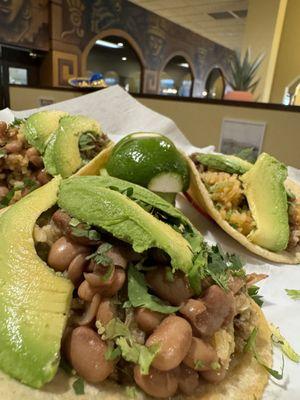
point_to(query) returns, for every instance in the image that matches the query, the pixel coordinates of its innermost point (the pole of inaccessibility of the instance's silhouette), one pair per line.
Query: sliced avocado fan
(39, 126)
(226, 163)
(267, 199)
(86, 199)
(62, 155)
(34, 301)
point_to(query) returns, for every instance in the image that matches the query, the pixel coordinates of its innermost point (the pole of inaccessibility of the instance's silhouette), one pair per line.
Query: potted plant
(242, 77)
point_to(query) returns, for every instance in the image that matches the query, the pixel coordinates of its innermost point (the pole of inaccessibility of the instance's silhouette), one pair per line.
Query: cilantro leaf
(253, 293)
(139, 297)
(101, 258)
(2, 153)
(112, 353)
(250, 346)
(131, 392)
(286, 348)
(114, 329)
(17, 121)
(293, 294)
(138, 353)
(78, 386)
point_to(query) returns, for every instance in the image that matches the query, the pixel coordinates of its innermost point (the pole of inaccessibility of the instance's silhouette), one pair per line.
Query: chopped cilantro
(87, 142)
(199, 364)
(253, 293)
(100, 256)
(215, 365)
(293, 293)
(286, 348)
(86, 231)
(112, 353)
(78, 386)
(64, 365)
(250, 346)
(17, 121)
(139, 297)
(2, 153)
(74, 222)
(131, 392)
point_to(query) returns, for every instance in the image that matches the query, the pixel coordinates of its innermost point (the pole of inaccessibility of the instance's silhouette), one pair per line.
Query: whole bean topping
(76, 268)
(15, 146)
(85, 351)
(118, 256)
(43, 177)
(201, 356)
(188, 380)
(86, 292)
(34, 157)
(62, 252)
(3, 127)
(106, 311)
(214, 376)
(175, 291)
(219, 311)
(174, 335)
(156, 383)
(90, 312)
(97, 279)
(62, 221)
(147, 320)
(3, 191)
(116, 284)
(191, 309)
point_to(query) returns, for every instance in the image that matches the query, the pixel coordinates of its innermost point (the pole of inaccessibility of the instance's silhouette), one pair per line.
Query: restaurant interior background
(174, 56)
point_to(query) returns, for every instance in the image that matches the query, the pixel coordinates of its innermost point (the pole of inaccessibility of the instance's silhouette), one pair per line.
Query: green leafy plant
(243, 71)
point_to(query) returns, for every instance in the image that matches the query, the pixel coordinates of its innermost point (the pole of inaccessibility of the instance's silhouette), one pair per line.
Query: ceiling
(225, 27)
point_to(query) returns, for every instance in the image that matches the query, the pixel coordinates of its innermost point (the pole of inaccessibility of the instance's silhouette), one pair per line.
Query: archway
(215, 84)
(176, 78)
(115, 56)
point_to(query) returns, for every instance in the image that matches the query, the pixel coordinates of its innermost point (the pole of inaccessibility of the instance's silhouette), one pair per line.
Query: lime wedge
(150, 160)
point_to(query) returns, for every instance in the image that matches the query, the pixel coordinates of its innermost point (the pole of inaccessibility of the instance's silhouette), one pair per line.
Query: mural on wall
(75, 25)
(25, 23)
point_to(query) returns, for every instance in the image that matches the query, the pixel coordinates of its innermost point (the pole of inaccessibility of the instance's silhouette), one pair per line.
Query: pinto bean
(3, 191)
(96, 278)
(214, 376)
(188, 380)
(200, 356)
(15, 146)
(76, 268)
(62, 252)
(106, 311)
(90, 312)
(174, 335)
(157, 383)
(3, 128)
(112, 286)
(86, 292)
(147, 320)
(219, 311)
(118, 256)
(85, 351)
(62, 219)
(43, 177)
(175, 292)
(191, 309)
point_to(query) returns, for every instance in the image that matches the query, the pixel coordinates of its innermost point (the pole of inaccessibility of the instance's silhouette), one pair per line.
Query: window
(176, 79)
(215, 85)
(114, 59)
(18, 76)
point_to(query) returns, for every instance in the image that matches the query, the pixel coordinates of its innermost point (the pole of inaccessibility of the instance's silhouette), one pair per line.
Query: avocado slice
(34, 301)
(86, 199)
(267, 199)
(226, 163)
(39, 126)
(48, 156)
(63, 155)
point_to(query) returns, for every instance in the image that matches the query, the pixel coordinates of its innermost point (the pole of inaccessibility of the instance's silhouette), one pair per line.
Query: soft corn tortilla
(201, 197)
(246, 380)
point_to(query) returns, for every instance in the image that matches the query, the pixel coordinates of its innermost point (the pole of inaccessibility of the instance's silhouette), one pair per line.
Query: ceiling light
(111, 45)
(124, 58)
(184, 65)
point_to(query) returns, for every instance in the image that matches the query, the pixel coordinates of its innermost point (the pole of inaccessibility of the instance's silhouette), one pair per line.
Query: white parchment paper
(120, 114)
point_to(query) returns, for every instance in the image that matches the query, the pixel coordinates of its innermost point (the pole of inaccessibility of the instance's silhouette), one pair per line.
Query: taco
(256, 204)
(47, 143)
(108, 278)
